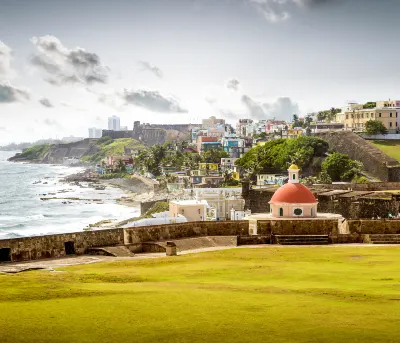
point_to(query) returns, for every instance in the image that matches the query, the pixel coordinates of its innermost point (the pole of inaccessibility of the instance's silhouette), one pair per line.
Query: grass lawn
(391, 148)
(323, 294)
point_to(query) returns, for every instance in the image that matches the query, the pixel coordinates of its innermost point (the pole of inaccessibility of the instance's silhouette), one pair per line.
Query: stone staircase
(302, 239)
(117, 251)
(383, 239)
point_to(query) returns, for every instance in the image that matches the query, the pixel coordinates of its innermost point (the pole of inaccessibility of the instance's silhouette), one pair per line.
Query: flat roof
(189, 202)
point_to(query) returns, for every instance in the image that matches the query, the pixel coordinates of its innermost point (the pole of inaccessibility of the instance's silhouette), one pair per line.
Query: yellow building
(295, 133)
(356, 119)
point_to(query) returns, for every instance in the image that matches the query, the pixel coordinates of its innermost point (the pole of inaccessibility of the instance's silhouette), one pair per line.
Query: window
(366, 115)
(294, 176)
(281, 212)
(298, 212)
(380, 115)
(390, 124)
(347, 116)
(390, 114)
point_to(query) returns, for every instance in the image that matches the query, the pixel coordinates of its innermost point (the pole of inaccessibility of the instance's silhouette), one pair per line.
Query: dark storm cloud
(153, 69)
(46, 102)
(283, 108)
(9, 93)
(64, 66)
(152, 100)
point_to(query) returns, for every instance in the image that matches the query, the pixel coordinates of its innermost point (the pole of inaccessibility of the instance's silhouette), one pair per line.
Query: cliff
(88, 150)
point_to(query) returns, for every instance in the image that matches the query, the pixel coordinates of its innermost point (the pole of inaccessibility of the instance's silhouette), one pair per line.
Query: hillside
(88, 150)
(108, 147)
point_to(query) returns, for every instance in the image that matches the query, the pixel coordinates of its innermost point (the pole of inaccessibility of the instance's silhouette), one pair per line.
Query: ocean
(23, 213)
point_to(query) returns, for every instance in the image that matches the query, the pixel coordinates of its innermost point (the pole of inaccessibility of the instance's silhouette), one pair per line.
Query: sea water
(23, 213)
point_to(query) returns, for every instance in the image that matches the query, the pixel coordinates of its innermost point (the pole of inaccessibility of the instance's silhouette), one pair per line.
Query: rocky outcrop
(58, 152)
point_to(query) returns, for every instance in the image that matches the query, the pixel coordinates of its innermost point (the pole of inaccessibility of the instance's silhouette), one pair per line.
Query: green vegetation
(390, 148)
(369, 105)
(277, 154)
(375, 127)
(109, 146)
(340, 167)
(35, 152)
(158, 157)
(214, 156)
(285, 295)
(328, 115)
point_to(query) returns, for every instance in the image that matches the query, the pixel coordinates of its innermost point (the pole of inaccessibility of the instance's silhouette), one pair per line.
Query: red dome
(293, 193)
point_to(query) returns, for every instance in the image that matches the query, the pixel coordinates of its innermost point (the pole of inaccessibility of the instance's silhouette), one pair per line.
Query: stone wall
(185, 230)
(375, 161)
(374, 186)
(351, 205)
(359, 227)
(297, 227)
(52, 246)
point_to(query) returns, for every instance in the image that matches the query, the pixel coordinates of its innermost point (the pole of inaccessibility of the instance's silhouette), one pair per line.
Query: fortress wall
(52, 246)
(375, 161)
(350, 207)
(297, 227)
(382, 226)
(185, 230)
(374, 186)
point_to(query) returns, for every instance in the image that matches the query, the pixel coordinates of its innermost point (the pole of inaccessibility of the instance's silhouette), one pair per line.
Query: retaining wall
(52, 246)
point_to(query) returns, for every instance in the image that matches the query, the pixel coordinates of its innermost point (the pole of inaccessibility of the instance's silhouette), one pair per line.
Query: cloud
(152, 100)
(10, 93)
(52, 123)
(46, 102)
(6, 56)
(282, 108)
(279, 10)
(62, 65)
(153, 69)
(233, 84)
(3, 129)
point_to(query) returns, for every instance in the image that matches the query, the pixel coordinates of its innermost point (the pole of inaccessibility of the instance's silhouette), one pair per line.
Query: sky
(66, 66)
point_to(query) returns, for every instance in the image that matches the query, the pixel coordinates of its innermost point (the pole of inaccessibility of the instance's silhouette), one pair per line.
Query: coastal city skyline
(67, 67)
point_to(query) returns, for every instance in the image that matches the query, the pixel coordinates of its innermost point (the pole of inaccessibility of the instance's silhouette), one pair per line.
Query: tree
(340, 167)
(375, 127)
(214, 156)
(121, 167)
(296, 122)
(369, 104)
(276, 154)
(262, 135)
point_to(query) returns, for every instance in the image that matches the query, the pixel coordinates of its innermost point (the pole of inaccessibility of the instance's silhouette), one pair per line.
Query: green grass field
(391, 148)
(323, 294)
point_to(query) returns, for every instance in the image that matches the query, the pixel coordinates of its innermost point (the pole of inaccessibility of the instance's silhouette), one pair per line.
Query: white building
(223, 200)
(192, 210)
(95, 132)
(114, 123)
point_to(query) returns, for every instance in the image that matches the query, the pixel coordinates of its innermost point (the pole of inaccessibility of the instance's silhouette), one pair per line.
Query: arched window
(281, 212)
(294, 176)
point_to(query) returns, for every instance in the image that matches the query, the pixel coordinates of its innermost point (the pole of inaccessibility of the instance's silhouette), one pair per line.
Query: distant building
(95, 132)
(212, 122)
(222, 200)
(114, 123)
(192, 210)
